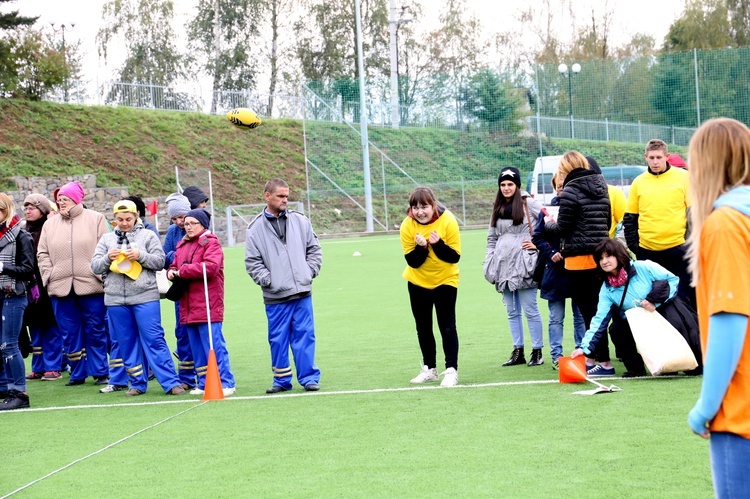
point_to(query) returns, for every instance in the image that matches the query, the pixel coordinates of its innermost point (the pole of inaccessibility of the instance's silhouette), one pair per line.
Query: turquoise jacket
(642, 276)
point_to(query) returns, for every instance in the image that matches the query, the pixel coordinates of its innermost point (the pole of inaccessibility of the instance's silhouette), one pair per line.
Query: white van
(540, 181)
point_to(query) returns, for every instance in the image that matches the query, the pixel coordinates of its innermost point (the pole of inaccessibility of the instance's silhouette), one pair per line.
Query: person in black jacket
(46, 338)
(16, 270)
(583, 221)
(554, 285)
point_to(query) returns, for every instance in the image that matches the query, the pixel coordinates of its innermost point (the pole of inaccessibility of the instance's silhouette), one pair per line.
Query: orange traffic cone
(572, 370)
(212, 390)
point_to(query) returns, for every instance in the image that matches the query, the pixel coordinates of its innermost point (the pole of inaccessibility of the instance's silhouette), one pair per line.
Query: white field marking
(282, 395)
(98, 451)
(320, 393)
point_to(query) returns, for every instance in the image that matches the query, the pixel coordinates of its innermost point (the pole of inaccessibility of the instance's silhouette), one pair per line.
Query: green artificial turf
(382, 437)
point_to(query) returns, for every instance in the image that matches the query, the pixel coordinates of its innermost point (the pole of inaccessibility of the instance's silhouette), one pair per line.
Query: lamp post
(393, 24)
(63, 27)
(570, 72)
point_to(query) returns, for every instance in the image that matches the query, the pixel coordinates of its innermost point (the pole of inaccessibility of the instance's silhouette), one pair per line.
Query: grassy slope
(139, 149)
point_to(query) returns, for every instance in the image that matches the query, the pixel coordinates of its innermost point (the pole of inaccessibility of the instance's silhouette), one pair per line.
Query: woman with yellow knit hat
(128, 258)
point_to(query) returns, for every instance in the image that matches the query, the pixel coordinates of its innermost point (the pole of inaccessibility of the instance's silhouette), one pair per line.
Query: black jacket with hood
(585, 213)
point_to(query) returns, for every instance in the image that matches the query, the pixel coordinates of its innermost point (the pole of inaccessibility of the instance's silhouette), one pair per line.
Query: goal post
(240, 215)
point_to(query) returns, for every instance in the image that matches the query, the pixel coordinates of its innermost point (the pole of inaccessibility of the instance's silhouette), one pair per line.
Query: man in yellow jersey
(656, 216)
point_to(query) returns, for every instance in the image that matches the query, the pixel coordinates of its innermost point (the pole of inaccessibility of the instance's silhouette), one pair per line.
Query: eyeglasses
(191, 224)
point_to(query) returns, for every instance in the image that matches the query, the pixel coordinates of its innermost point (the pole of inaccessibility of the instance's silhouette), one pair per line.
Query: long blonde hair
(719, 159)
(570, 161)
(7, 208)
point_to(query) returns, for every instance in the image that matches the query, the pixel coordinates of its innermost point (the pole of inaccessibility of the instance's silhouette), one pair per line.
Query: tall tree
(493, 99)
(278, 19)
(703, 24)
(327, 45)
(222, 33)
(145, 29)
(38, 66)
(457, 51)
(411, 59)
(12, 19)
(739, 13)
(9, 65)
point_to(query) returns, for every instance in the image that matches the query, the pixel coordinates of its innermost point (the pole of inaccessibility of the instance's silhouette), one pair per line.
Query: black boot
(15, 400)
(536, 357)
(516, 358)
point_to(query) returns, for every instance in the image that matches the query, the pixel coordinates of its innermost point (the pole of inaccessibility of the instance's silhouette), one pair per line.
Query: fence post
(697, 92)
(640, 138)
(606, 126)
(230, 227)
(463, 199)
(572, 128)
(385, 193)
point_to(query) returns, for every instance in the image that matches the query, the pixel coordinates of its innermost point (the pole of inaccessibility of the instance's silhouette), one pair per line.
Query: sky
(631, 16)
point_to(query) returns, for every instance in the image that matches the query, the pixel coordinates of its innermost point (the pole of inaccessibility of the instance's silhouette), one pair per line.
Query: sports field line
(315, 394)
(99, 451)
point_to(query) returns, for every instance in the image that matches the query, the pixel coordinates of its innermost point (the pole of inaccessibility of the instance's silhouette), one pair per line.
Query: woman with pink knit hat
(66, 245)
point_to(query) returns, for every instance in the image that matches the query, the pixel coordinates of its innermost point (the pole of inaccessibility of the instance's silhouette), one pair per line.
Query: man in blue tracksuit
(283, 256)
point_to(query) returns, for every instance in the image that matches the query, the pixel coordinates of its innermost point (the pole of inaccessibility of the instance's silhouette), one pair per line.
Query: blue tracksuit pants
(81, 320)
(46, 353)
(138, 330)
(186, 364)
(117, 374)
(292, 324)
(198, 334)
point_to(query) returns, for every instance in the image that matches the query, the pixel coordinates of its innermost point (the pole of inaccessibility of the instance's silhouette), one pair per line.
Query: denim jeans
(11, 310)
(523, 300)
(556, 321)
(730, 454)
(579, 326)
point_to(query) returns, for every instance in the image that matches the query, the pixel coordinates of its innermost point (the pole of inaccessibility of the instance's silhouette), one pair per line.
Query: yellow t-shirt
(661, 203)
(725, 287)
(433, 272)
(618, 202)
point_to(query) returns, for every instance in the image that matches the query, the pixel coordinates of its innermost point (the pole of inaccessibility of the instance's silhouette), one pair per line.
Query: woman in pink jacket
(197, 247)
(66, 245)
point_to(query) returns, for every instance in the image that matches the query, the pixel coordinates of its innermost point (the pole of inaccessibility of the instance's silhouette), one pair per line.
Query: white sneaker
(450, 377)
(426, 375)
(112, 388)
(228, 391)
(197, 391)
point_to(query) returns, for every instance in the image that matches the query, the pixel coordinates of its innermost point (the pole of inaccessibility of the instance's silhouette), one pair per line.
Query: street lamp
(570, 72)
(394, 24)
(63, 27)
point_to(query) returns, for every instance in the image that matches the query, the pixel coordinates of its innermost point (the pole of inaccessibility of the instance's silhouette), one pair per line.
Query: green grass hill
(140, 148)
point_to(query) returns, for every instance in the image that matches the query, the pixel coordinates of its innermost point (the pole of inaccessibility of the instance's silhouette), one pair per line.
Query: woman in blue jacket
(626, 284)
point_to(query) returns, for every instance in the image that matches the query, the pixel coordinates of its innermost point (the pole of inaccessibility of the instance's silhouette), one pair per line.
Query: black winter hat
(593, 165)
(195, 196)
(510, 173)
(202, 216)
